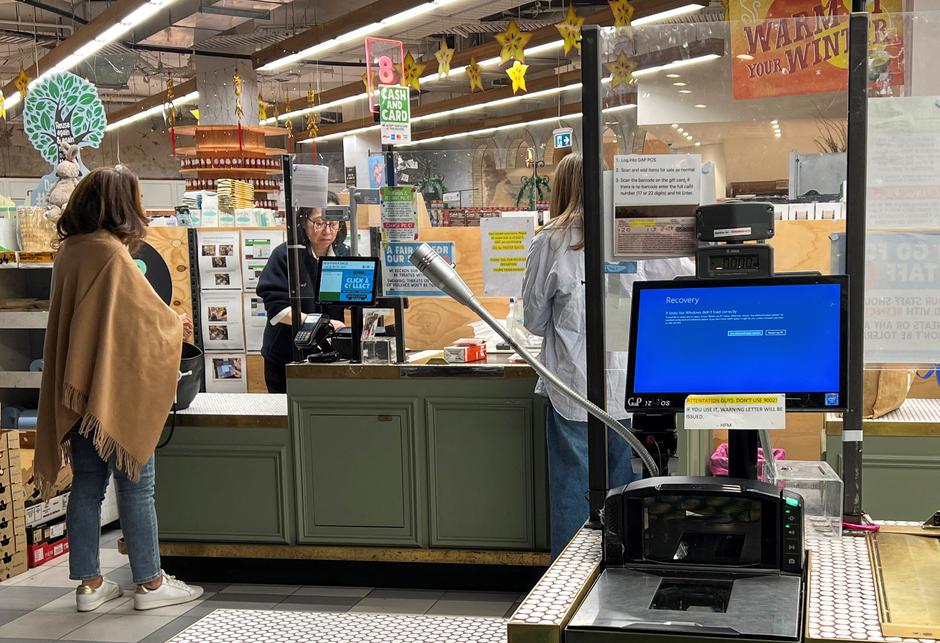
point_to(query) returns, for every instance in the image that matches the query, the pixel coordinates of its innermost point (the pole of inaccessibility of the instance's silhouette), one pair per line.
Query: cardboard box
(461, 354)
(13, 564)
(41, 553)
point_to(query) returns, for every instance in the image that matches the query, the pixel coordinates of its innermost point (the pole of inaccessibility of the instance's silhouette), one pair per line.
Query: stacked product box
(46, 542)
(13, 545)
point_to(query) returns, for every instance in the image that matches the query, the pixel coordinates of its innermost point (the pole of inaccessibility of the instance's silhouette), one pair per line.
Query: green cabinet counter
(378, 462)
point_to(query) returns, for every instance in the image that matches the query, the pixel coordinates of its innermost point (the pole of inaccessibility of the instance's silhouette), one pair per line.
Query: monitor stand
(742, 454)
(657, 432)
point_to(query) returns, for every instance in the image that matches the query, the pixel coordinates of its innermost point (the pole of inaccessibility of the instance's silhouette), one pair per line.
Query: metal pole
(855, 258)
(294, 248)
(592, 124)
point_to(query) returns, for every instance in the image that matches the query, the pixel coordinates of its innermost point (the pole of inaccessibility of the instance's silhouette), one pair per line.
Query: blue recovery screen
(738, 339)
(346, 281)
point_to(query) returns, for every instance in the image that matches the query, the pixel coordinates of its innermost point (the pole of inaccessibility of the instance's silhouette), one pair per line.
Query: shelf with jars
(232, 152)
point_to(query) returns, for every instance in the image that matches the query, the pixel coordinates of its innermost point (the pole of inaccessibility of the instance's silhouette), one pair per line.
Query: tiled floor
(40, 604)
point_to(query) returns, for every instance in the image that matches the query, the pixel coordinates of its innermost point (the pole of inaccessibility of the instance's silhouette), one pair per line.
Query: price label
(736, 412)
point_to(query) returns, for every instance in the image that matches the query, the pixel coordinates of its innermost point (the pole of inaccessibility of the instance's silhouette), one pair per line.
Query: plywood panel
(256, 374)
(173, 246)
(435, 322)
(804, 245)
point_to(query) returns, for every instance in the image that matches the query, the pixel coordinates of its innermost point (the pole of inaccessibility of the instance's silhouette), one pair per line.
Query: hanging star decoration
(444, 55)
(623, 13)
(287, 122)
(475, 76)
(3, 109)
(313, 118)
(262, 109)
(621, 71)
(195, 113)
(570, 29)
(727, 6)
(411, 71)
(513, 41)
(365, 80)
(22, 82)
(170, 108)
(237, 85)
(516, 74)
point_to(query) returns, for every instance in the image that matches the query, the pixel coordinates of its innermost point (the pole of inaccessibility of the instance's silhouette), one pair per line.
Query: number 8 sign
(383, 60)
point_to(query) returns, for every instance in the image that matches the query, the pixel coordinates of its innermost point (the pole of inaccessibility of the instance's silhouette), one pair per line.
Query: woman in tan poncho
(111, 363)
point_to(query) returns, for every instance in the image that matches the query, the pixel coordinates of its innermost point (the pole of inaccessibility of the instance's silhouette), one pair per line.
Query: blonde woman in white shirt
(554, 308)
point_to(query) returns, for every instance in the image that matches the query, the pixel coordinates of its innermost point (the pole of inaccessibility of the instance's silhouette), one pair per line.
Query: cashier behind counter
(321, 239)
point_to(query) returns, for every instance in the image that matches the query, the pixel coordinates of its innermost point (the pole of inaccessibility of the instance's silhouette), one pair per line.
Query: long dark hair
(107, 199)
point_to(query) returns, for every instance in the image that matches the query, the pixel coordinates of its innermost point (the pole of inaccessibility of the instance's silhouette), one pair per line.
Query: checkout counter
(363, 462)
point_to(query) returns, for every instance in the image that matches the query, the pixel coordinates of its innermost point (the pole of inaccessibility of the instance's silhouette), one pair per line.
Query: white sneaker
(171, 592)
(88, 599)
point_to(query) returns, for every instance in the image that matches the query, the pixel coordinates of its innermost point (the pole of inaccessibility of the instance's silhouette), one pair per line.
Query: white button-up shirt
(554, 308)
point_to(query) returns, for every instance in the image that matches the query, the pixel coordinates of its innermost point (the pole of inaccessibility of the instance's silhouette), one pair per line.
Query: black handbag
(192, 366)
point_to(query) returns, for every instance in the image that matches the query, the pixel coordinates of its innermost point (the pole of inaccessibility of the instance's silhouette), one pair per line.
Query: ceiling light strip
(667, 15)
(361, 32)
(192, 97)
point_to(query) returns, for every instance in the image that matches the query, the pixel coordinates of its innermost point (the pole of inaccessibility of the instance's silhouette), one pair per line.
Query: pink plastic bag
(719, 460)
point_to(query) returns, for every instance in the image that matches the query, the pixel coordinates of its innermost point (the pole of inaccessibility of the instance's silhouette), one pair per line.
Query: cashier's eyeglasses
(320, 224)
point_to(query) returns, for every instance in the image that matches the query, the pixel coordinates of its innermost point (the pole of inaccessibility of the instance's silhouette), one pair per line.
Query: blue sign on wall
(563, 138)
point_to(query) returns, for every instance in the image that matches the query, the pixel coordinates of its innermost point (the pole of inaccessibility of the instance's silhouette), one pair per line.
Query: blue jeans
(90, 476)
(568, 473)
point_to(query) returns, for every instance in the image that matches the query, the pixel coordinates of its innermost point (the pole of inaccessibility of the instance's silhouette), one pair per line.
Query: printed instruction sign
(657, 179)
(219, 261)
(257, 246)
(256, 319)
(222, 327)
(655, 237)
(904, 163)
(735, 412)
(309, 186)
(399, 213)
(401, 279)
(226, 373)
(395, 114)
(505, 243)
(902, 297)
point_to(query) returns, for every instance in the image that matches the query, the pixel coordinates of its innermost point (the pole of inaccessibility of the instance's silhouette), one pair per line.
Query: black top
(273, 288)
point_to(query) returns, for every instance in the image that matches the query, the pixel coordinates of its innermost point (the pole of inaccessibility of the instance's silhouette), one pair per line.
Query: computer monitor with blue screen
(775, 335)
(347, 281)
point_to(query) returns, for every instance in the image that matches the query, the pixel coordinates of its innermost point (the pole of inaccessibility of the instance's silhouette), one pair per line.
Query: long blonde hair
(567, 208)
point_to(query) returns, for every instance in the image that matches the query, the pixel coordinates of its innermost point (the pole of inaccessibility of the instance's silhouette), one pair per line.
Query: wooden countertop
(496, 366)
(916, 418)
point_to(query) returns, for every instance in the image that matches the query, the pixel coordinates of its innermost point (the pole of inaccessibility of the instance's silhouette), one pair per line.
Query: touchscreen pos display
(347, 281)
(775, 335)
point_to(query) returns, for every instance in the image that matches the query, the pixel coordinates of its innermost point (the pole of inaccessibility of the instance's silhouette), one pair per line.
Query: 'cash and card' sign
(395, 114)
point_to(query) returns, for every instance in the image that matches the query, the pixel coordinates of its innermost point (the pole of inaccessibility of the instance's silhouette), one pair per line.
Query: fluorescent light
(503, 128)
(679, 84)
(675, 126)
(11, 101)
(666, 15)
(673, 76)
(355, 34)
(777, 135)
(676, 63)
(774, 122)
(698, 144)
(153, 111)
(680, 130)
(701, 106)
(495, 103)
(316, 108)
(330, 137)
(685, 91)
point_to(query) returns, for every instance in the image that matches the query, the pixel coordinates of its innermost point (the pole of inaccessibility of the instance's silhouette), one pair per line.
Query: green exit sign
(563, 138)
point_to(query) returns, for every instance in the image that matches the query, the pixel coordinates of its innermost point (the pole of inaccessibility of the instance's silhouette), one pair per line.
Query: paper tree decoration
(516, 74)
(237, 85)
(411, 71)
(262, 109)
(621, 71)
(313, 118)
(22, 82)
(570, 30)
(444, 55)
(63, 109)
(475, 76)
(623, 13)
(513, 41)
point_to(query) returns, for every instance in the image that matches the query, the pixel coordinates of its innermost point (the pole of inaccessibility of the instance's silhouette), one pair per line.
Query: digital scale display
(737, 263)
